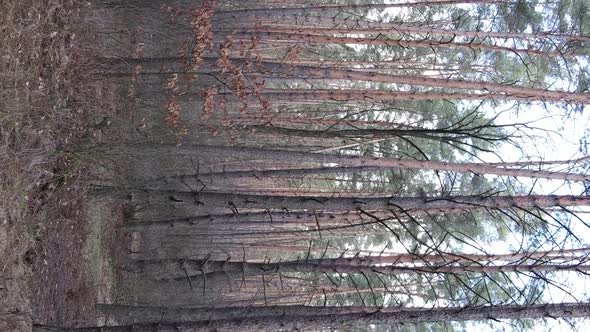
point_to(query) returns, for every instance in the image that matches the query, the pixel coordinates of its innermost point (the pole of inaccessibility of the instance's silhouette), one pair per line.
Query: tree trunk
(312, 96)
(275, 318)
(332, 7)
(322, 39)
(247, 154)
(163, 204)
(335, 26)
(174, 269)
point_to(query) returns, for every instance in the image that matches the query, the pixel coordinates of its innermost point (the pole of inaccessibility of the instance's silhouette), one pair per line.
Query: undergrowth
(48, 103)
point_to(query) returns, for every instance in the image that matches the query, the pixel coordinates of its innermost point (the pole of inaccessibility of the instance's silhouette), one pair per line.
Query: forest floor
(56, 243)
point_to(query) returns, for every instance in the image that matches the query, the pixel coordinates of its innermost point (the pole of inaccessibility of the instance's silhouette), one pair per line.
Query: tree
(295, 317)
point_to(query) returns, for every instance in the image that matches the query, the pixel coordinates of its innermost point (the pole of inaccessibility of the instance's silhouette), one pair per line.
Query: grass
(48, 105)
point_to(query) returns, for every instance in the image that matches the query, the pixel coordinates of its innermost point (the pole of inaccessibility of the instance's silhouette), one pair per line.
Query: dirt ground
(57, 242)
(74, 266)
(63, 293)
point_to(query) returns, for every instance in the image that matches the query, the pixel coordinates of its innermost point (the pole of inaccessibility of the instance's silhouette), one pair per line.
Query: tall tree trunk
(306, 317)
(315, 96)
(157, 204)
(456, 137)
(426, 43)
(247, 154)
(342, 26)
(214, 270)
(331, 7)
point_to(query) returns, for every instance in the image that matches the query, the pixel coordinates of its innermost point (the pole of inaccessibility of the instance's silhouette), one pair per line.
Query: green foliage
(520, 15)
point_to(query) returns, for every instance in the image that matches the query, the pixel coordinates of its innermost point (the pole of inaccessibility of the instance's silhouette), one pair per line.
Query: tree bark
(315, 96)
(331, 7)
(274, 318)
(174, 269)
(247, 154)
(322, 39)
(335, 26)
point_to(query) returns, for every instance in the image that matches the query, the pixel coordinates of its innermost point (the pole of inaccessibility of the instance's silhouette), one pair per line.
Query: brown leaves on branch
(173, 115)
(202, 33)
(208, 102)
(192, 55)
